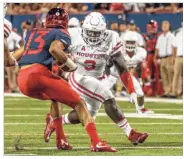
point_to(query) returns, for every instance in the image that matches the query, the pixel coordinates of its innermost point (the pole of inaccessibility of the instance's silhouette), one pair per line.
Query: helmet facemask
(92, 37)
(130, 46)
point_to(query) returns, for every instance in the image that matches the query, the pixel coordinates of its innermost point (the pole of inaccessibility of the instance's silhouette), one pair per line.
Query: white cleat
(145, 111)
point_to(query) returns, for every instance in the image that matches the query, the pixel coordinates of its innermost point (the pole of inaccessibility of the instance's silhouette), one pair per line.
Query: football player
(7, 31)
(36, 80)
(134, 56)
(98, 46)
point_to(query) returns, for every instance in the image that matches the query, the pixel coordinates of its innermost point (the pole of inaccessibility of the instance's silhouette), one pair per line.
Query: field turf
(24, 123)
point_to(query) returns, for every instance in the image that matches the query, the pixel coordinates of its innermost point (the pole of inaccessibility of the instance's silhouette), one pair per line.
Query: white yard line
(147, 99)
(83, 134)
(20, 154)
(14, 124)
(71, 109)
(123, 147)
(130, 115)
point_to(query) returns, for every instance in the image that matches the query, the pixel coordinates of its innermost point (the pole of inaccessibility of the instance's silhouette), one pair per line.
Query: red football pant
(38, 82)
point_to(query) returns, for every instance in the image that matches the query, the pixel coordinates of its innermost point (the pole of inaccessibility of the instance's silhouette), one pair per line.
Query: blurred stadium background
(120, 17)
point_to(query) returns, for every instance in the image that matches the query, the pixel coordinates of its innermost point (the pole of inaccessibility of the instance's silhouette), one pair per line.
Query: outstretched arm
(125, 76)
(8, 60)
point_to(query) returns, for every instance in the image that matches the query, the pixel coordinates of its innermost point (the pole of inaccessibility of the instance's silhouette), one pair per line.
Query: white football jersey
(139, 56)
(7, 28)
(92, 61)
(13, 41)
(75, 34)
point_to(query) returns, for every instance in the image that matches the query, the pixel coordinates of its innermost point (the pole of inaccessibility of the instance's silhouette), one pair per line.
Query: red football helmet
(57, 17)
(152, 27)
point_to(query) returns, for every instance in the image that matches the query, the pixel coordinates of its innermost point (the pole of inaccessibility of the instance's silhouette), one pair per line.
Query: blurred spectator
(134, 7)
(132, 27)
(165, 49)
(102, 7)
(36, 8)
(155, 7)
(114, 26)
(178, 65)
(122, 29)
(116, 7)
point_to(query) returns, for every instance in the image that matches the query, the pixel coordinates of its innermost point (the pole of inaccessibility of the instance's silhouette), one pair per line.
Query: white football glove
(133, 98)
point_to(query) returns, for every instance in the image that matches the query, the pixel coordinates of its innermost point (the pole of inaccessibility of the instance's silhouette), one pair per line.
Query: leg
(164, 76)
(140, 98)
(170, 72)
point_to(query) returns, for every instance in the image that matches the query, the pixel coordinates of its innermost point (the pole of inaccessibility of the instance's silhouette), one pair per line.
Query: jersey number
(39, 39)
(91, 65)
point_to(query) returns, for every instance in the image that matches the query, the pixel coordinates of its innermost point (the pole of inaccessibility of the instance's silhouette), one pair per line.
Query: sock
(92, 133)
(65, 119)
(124, 125)
(59, 128)
(139, 107)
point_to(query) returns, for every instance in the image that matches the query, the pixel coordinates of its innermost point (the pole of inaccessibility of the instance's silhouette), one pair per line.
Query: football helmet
(57, 18)
(130, 41)
(74, 22)
(93, 28)
(152, 27)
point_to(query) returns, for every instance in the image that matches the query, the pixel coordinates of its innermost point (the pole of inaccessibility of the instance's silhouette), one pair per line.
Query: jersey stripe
(116, 48)
(76, 86)
(97, 95)
(7, 28)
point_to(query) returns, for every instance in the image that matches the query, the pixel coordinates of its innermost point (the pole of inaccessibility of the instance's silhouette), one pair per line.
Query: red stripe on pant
(80, 86)
(83, 91)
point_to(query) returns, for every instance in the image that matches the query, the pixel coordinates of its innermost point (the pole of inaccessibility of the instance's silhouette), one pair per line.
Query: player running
(134, 56)
(36, 80)
(98, 46)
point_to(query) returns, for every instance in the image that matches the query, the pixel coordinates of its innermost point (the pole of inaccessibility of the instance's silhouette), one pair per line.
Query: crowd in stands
(151, 8)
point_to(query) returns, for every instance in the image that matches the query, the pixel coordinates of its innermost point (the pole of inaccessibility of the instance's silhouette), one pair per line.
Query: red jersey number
(38, 40)
(91, 65)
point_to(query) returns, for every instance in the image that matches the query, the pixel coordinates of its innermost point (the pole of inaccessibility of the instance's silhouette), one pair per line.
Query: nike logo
(99, 146)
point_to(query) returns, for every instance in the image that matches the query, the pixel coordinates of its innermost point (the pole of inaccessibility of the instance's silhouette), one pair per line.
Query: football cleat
(137, 137)
(63, 145)
(49, 129)
(101, 146)
(145, 111)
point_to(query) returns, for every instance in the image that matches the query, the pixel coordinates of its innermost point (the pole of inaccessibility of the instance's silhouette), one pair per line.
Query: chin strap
(127, 81)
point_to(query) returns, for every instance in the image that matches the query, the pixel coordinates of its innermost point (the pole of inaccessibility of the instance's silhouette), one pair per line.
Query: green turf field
(24, 119)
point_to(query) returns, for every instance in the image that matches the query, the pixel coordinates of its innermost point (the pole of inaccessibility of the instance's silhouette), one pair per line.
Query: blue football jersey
(37, 46)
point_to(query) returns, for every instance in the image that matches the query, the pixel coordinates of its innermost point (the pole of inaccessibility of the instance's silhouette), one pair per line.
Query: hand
(133, 98)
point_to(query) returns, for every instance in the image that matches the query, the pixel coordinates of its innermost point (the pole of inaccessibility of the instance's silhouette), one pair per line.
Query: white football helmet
(74, 22)
(93, 28)
(5, 9)
(130, 41)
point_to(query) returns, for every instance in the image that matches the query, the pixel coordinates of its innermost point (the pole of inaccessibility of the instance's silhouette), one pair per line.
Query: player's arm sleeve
(64, 38)
(140, 57)
(116, 44)
(7, 28)
(122, 69)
